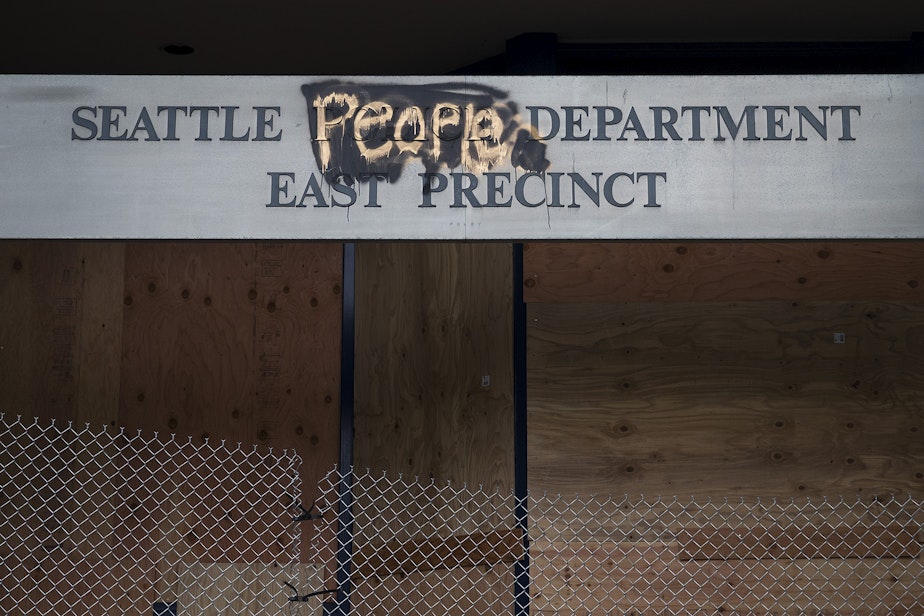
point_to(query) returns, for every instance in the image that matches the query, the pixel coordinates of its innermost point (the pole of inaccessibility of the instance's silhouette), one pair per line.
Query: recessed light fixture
(178, 49)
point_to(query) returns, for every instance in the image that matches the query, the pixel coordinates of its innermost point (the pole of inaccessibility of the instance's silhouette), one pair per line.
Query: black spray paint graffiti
(360, 130)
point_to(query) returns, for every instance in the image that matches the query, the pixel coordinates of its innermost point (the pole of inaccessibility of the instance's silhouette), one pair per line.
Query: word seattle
(169, 122)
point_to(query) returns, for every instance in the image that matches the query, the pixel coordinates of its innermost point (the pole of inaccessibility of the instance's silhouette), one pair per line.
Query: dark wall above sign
(237, 37)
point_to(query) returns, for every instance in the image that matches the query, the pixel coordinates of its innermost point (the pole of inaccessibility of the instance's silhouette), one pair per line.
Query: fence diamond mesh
(418, 547)
(426, 548)
(98, 522)
(696, 556)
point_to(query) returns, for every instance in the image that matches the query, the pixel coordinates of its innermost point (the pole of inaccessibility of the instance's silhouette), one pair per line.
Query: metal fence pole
(521, 490)
(347, 376)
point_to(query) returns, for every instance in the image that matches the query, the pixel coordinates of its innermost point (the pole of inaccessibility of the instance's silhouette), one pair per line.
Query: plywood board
(433, 361)
(101, 332)
(236, 341)
(723, 271)
(216, 589)
(430, 553)
(823, 541)
(456, 592)
(188, 349)
(297, 304)
(60, 338)
(642, 578)
(726, 399)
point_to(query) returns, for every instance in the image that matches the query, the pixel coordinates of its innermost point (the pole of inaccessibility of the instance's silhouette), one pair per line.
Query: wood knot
(623, 429)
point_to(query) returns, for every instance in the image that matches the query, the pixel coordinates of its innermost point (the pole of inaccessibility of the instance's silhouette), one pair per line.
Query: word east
(461, 189)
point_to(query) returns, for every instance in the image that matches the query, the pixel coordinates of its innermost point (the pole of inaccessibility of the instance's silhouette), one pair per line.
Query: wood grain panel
(189, 356)
(100, 353)
(237, 342)
(227, 341)
(432, 321)
(54, 590)
(297, 315)
(430, 553)
(723, 398)
(19, 281)
(724, 271)
(60, 329)
(64, 523)
(823, 541)
(60, 353)
(457, 592)
(216, 589)
(643, 578)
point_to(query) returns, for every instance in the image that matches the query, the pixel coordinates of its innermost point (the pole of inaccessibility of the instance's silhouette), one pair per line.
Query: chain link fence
(105, 523)
(99, 522)
(726, 556)
(424, 548)
(416, 547)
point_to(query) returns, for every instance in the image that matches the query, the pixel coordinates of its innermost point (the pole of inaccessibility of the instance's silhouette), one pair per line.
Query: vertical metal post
(521, 490)
(532, 53)
(347, 378)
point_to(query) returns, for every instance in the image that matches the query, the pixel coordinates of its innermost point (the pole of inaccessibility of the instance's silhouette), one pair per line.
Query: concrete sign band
(739, 157)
